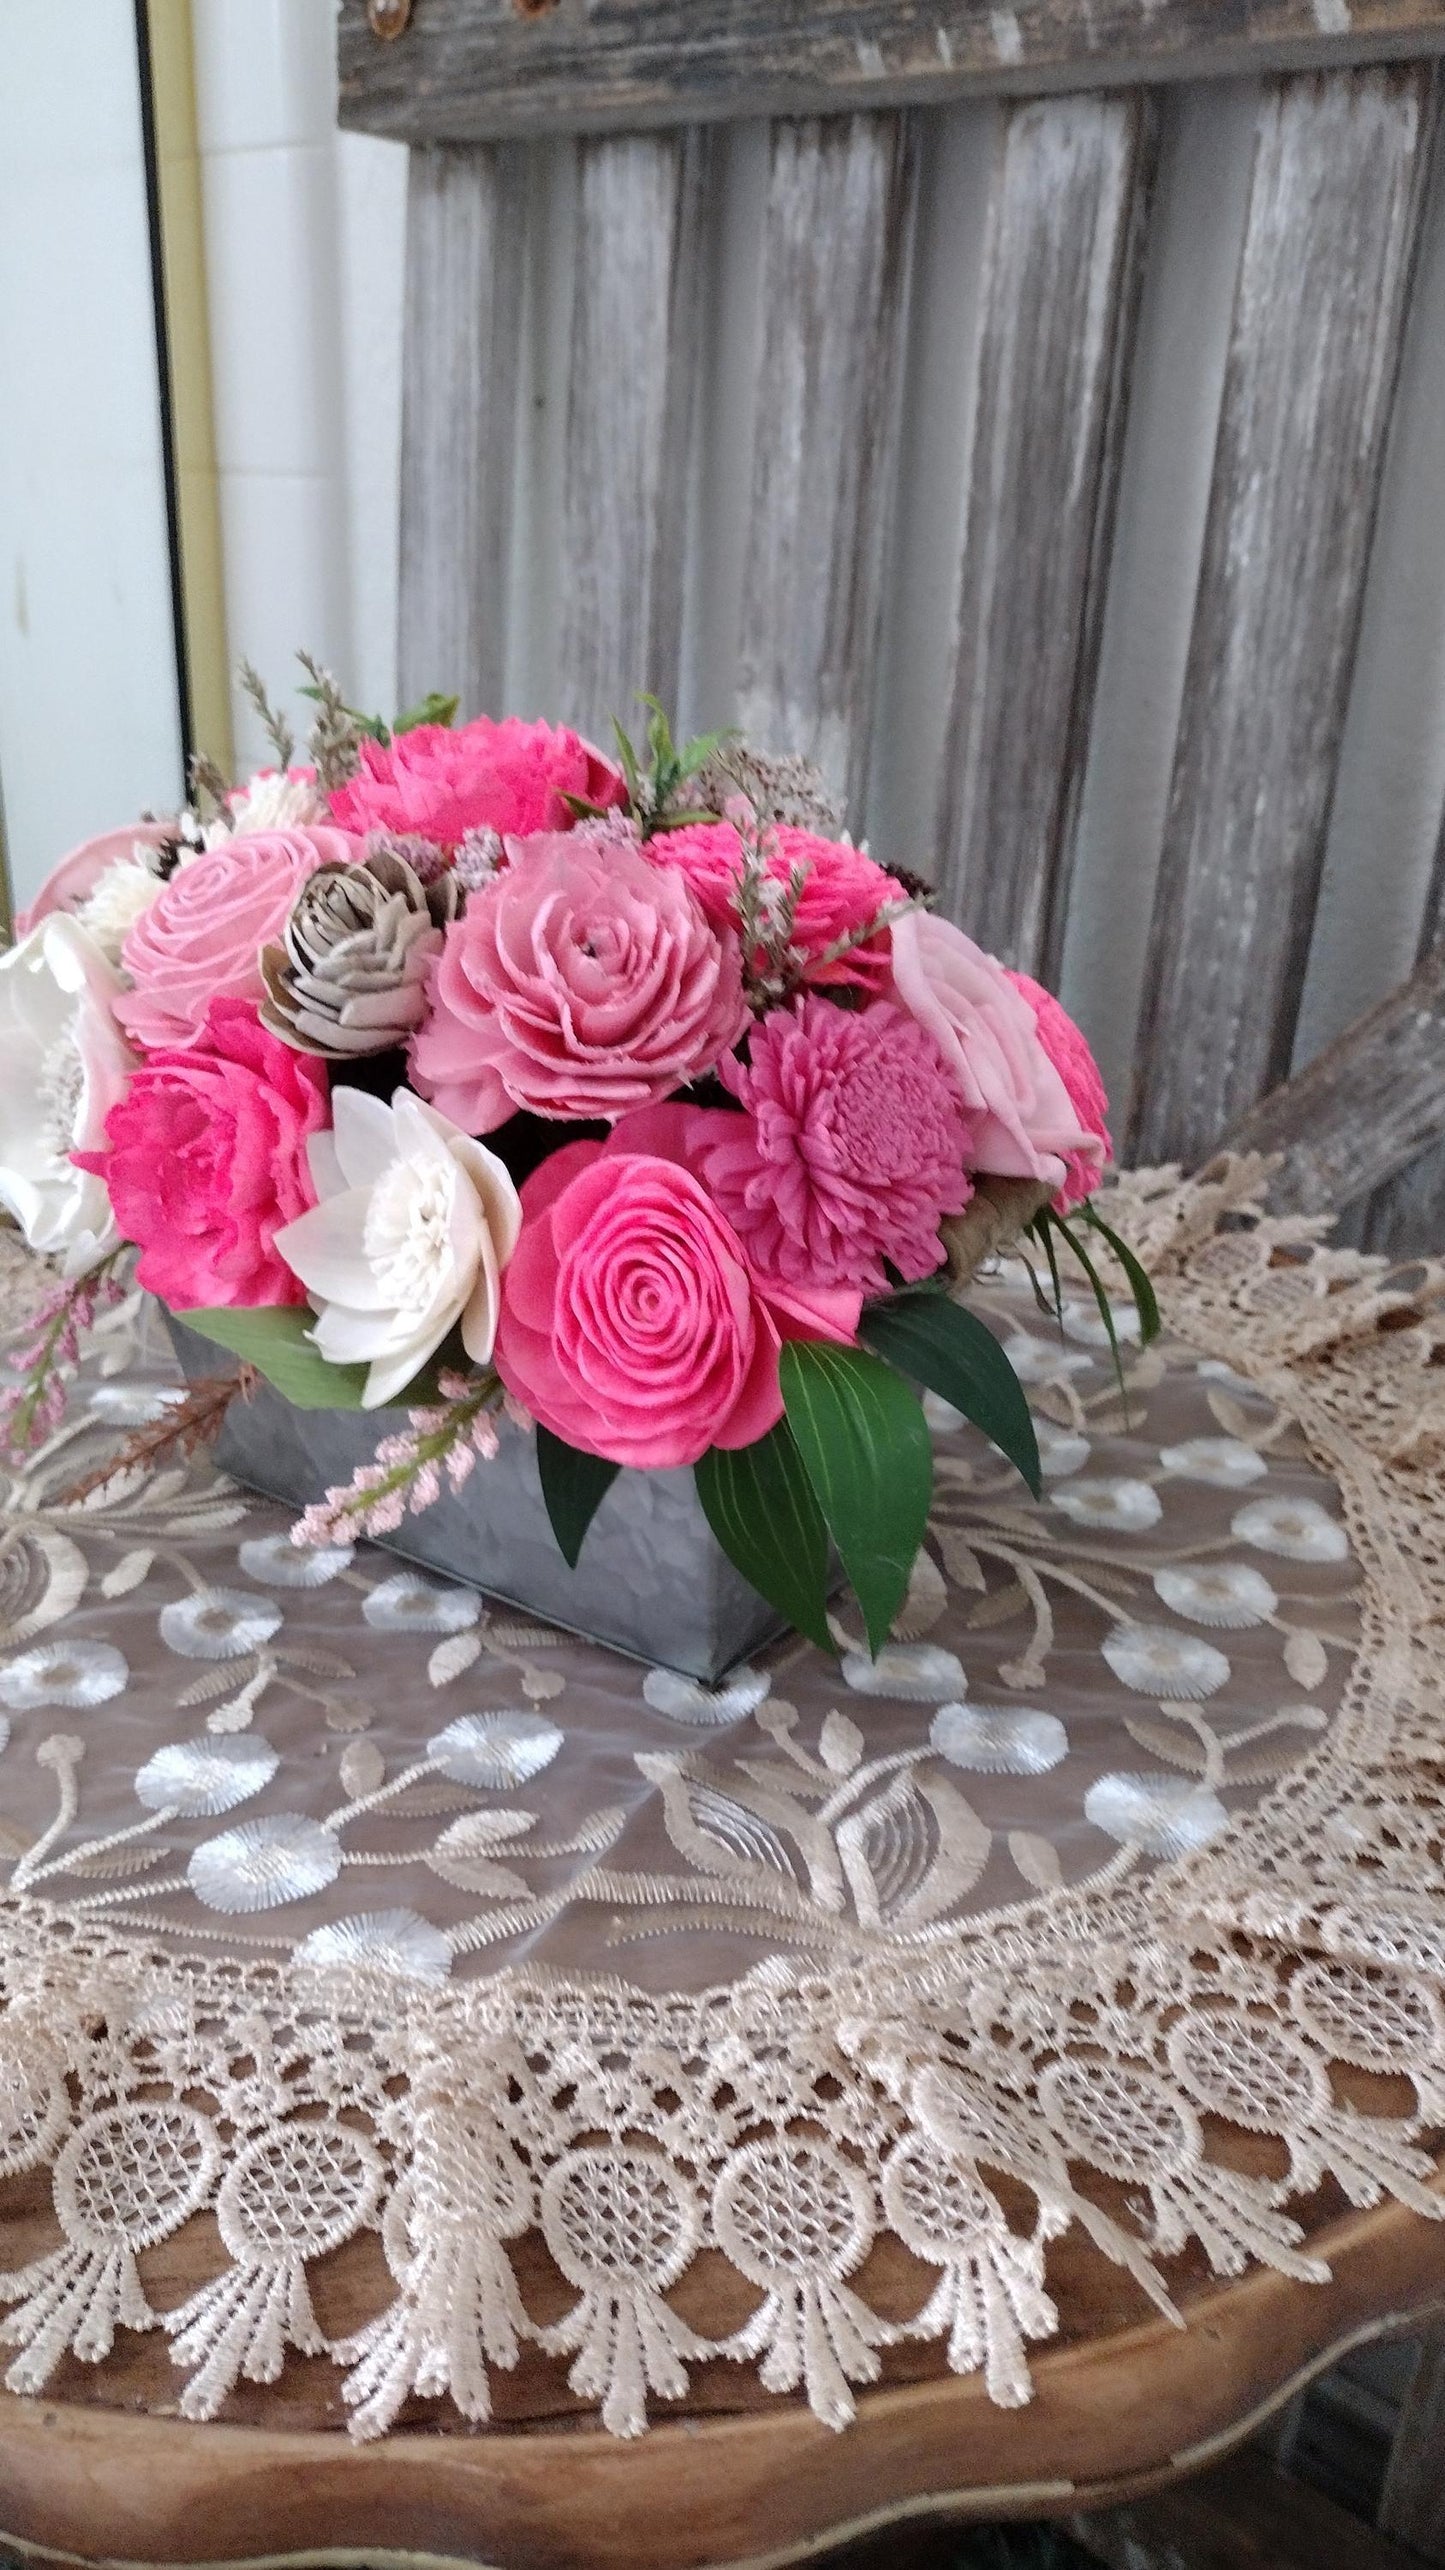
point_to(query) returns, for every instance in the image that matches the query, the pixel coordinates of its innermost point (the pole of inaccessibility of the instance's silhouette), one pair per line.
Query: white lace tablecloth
(339, 1899)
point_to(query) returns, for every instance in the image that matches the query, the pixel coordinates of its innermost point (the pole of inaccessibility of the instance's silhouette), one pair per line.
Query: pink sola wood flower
(852, 1149)
(842, 890)
(1068, 1050)
(439, 783)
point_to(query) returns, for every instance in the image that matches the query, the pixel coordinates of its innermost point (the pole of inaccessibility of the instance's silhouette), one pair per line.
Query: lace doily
(338, 1901)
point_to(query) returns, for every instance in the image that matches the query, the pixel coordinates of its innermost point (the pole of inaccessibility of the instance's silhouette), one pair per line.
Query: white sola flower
(414, 1225)
(121, 896)
(278, 798)
(66, 1065)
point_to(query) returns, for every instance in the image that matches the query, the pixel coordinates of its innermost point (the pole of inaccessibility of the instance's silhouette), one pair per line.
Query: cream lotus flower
(414, 1226)
(66, 1065)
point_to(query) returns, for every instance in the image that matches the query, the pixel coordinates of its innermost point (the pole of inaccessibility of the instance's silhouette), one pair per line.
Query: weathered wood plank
(1408, 1212)
(1058, 308)
(1335, 194)
(459, 420)
(836, 261)
(1412, 2505)
(636, 317)
(1362, 1109)
(469, 70)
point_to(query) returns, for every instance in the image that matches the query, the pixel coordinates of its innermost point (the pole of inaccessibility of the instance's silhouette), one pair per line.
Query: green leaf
(434, 708)
(1145, 1300)
(627, 757)
(868, 1454)
(759, 1503)
(1042, 1228)
(574, 1486)
(1106, 1308)
(951, 1352)
(278, 1342)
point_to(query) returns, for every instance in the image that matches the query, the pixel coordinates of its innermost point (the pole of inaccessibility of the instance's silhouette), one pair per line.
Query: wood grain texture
(1335, 194)
(468, 70)
(1363, 1108)
(836, 260)
(102, 2468)
(636, 318)
(1412, 2503)
(464, 256)
(1059, 301)
(1408, 1213)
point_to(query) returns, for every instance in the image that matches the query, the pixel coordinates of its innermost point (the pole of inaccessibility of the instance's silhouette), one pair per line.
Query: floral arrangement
(464, 1069)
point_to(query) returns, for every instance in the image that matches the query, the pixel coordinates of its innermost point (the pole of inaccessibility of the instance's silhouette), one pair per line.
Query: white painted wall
(89, 714)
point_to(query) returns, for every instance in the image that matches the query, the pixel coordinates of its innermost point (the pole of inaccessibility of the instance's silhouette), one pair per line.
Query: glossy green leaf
(950, 1351)
(865, 1443)
(574, 1486)
(759, 1503)
(1145, 1301)
(278, 1342)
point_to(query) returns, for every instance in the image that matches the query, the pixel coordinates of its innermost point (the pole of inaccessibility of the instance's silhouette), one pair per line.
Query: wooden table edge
(1149, 2403)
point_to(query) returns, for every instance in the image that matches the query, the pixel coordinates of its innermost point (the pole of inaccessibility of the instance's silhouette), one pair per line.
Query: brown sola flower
(349, 976)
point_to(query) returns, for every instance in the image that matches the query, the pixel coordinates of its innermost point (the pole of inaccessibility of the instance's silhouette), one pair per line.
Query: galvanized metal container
(652, 1580)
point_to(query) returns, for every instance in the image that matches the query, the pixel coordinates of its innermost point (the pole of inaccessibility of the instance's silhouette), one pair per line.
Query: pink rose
(633, 1324)
(582, 981)
(202, 936)
(1022, 1121)
(509, 776)
(1069, 1053)
(207, 1159)
(70, 882)
(843, 890)
(852, 1148)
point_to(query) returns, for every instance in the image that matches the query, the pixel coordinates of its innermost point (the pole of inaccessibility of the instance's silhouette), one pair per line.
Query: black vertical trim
(165, 385)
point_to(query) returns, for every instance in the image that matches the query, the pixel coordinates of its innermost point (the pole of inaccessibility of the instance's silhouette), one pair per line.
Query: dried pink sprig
(33, 1406)
(438, 1448)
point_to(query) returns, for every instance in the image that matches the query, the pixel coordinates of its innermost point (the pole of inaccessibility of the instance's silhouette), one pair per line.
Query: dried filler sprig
(336, 734)
(33, 1405)
(273, 723)
(182, 1430)
(439, 1447)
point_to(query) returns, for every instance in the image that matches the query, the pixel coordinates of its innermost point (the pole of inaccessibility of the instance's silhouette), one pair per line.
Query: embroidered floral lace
(338, 1899)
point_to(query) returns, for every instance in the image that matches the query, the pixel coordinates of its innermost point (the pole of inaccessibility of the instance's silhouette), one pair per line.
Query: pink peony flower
(207, 1158)
(852, 1149)
(1022, 1120)
(633, 1324)
(507, 776)
(843, 891)
(1068, 1050)
(582, 981)
(201, 938)
(75, 877)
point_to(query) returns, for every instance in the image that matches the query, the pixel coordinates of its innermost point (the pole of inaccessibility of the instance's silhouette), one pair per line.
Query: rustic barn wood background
(879, 431)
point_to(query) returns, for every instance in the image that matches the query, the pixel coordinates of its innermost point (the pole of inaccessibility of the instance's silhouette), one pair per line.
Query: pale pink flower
(202, 936)
(852, 1149)
(582, 981)
(1022, 1122)
(1068, 1050)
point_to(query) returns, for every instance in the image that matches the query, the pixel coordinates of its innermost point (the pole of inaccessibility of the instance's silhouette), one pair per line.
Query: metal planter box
(652, 1580)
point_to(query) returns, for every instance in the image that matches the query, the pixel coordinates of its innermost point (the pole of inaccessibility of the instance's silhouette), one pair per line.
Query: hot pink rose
(201, 938)
(70, 882)
(1069, 1053)
(633, 1324)
(509, 776)
(852, 1148)
(581, 982)
(207, 1158)
(1022, 1121)
(842, 892)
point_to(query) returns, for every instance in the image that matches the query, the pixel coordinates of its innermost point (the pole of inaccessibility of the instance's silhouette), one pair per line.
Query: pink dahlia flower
(581, 981)
(1022, 1121)
(852, 1149)
(202, 936)
(843, 891)
(1068, 1050)
(207, 1159)
(633, 1322)
(439, 783)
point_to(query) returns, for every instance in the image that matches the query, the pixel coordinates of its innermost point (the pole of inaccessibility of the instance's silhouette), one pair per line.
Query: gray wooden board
(838, 233)
(1408, 1212)
(1330, 233)
(1364, 1108)
(636, 316)
(1059, 303)
(459, 422)
(469, 70)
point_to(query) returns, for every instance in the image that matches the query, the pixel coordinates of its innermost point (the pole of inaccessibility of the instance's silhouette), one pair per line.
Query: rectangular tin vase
(652, 1579)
